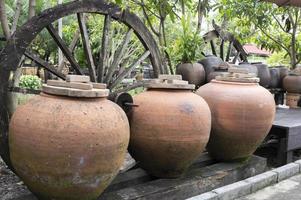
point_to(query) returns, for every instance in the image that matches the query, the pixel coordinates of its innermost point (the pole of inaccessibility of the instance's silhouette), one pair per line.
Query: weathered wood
(71, 92)
(196, 181)
(129, 69)
(77, 78)
(104, 49)
(87, 46)
(222, 49)
(213, 47)
(229, 51)
(170, 77)
(171, 86)
(99, 85)
(61, 44)
(44, 64)
(236, 57)
(71, 47)
(75, 85)
(118, 56)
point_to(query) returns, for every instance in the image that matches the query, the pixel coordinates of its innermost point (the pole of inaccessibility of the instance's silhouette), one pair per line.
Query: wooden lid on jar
(76, 86)
(240, 75)
(170, 82)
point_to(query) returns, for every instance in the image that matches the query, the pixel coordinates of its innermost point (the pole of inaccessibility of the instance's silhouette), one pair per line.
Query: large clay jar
(292, 83)
(283, 72)
(263, 74)
(251, 68)
(170, 128)
(242, 115)
(68, 147)
(210, 63)
(275, 78)
(194, 73)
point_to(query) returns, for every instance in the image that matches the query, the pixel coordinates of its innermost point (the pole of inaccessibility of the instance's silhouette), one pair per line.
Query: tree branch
(4, 20)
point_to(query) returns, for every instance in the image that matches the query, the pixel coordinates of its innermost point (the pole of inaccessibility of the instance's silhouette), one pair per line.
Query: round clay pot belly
(169, 130)
(275, 78)
(68, 148)
(264, 75)
(292, 84)
(210, 63)
(242, 115)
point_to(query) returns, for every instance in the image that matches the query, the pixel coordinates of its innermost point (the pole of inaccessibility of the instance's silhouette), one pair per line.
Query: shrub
(30, 82)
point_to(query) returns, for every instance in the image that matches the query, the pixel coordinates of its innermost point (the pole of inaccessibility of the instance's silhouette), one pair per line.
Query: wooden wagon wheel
(19, 45)
(224, 45)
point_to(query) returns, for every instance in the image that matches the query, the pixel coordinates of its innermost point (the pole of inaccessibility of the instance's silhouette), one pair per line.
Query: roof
(252, 49)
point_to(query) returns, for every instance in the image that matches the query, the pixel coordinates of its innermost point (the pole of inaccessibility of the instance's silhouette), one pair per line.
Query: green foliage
(264, 24)
(187, 48)
(30, 82)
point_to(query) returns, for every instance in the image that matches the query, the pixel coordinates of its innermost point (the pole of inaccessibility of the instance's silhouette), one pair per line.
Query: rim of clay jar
(234, 83)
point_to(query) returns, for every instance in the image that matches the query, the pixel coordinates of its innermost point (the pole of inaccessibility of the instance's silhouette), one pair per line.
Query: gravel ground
(11, 186)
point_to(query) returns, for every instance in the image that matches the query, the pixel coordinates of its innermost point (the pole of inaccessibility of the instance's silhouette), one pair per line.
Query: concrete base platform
(289, 189)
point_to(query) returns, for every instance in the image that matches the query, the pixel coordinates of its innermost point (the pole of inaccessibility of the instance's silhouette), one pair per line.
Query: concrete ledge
(299, 163)
(252, 184)
(205, 196)
(233, 191)
(287, 171)
(262, 180)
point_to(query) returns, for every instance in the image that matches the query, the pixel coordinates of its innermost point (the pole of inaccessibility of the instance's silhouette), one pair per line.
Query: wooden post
(60, 32)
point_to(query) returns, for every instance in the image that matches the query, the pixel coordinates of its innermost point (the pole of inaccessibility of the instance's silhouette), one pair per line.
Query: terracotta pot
(275, 78)
(210, 63)
(286, 2)
(169, 130)
(242, 115)
(68, 148)
(252, 69)
(292, 84)
(263, 74)
(193, 73)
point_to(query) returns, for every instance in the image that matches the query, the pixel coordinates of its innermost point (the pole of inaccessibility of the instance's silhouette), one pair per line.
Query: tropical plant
(30, 82)
(274, 28)
(188, 46)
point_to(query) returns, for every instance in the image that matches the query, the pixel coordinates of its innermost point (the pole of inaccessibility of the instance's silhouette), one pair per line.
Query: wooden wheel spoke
(229, 51)
(222, 49)
(236, 57)
(118, 56)
(74, 41)
(213, 47)
(71, 47)
(61, 44)
(86, 45)
(44, 64)
(103, 57)
(128, 70)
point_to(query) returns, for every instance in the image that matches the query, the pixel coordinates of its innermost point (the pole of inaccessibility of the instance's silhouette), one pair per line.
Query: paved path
(289, 189)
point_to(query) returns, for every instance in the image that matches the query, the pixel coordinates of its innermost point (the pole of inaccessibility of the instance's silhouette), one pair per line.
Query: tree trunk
(201, 12)
(17, 15)
(31, 8)
(3, 20)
